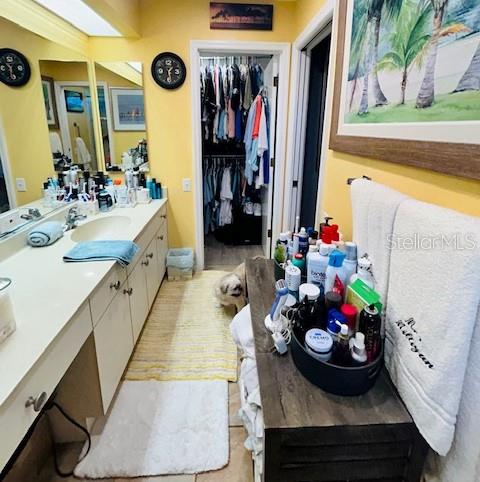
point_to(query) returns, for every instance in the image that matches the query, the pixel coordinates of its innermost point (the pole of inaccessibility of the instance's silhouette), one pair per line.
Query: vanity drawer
(106, 291)
(15, 417)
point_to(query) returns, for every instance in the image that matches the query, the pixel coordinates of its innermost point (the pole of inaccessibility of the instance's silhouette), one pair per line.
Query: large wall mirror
(68, 109)
(122, 115)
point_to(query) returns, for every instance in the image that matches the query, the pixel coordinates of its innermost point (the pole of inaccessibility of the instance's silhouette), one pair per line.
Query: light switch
(187, 185)
(21, 184)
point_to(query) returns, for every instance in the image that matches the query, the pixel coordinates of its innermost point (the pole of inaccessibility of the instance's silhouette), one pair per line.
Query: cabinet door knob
(115, 286)
(160, 237)
(37, 402)
(163, 216)
(146, 262)
(150, 255)
(128, 292)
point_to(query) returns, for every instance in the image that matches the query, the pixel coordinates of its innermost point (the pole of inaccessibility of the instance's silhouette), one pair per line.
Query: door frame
(204, 47)
(7, 168)
(60, 86)
(312, 35)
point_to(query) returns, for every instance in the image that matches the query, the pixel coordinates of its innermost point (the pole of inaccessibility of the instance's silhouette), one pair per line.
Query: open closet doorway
(309, 120)
(237, 126)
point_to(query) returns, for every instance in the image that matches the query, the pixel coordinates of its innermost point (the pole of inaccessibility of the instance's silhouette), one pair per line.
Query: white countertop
(47, 292)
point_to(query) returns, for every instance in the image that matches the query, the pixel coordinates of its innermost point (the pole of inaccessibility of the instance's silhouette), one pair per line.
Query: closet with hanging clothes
(236, 147)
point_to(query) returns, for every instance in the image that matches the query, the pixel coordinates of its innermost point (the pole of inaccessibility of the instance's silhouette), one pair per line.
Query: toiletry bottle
(370, 323)
(303, 242)
(293, 278)
(158, 190)
(334, 321)
(357, 349)
(350, 262)
(364, 272)
(299, 262)
(317, 264)
(153, 189)
(341, 350)
(333, 300)
(322, 225)
(110, 188)
(350, 312)
(296, 244)
(313, 238)
(335, 270)
(105, 201)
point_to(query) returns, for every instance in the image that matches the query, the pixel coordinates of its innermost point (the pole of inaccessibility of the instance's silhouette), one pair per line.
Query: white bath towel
(83, 156)
(374, 207)
(55, 143)
(433, 297)
(462, 463)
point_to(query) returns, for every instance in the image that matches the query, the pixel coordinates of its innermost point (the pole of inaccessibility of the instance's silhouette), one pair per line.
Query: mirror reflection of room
(122, 115)
(68, 108)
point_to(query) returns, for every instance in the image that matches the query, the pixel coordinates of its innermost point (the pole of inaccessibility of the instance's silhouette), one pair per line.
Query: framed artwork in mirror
(49, 99)
(128, 109)
(407, 84)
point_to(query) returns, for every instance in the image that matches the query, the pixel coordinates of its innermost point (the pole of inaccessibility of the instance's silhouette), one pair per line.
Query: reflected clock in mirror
(168, 70)
(14, 68)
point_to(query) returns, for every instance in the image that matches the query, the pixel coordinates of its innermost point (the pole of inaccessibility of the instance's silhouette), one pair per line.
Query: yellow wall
(22, 112)
(169, 26)
(122, 140)
(448, 191)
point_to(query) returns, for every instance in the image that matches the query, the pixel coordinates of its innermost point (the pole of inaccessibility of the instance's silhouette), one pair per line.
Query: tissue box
(360, 295)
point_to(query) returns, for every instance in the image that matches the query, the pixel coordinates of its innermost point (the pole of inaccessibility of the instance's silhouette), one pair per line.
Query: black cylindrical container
(370, 324)
(348, 381)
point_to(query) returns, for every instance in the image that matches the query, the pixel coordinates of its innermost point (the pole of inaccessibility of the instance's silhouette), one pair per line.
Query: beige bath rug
(186, 336)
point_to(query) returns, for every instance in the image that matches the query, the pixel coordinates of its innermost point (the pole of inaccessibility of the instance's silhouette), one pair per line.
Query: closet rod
(237, 57)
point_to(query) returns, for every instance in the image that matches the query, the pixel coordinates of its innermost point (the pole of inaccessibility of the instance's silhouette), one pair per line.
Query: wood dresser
(312, 436)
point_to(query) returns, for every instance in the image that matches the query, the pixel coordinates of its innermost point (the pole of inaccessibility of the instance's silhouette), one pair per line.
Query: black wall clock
(168, 70)
(14, 68)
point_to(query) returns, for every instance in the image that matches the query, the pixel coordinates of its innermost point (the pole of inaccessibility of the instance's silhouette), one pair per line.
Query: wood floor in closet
(222, 257)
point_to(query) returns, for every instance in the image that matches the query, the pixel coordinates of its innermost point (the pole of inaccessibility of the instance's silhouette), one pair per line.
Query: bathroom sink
(110, 227)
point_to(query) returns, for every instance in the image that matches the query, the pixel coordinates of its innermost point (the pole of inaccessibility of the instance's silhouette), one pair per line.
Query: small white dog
(231, 289)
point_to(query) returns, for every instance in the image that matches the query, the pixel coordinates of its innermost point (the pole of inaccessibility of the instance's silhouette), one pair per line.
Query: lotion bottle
(364, 272)
(357, 349)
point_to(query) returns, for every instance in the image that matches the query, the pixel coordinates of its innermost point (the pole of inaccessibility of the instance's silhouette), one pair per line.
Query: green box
(360, 295)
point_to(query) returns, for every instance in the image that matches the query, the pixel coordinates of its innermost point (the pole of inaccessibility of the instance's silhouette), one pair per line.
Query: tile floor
(239, 468)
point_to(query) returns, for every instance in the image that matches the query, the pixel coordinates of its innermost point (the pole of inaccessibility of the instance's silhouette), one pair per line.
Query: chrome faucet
(72, 218)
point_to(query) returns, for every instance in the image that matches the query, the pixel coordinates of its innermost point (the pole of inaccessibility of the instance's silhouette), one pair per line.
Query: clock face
(168, 70)
(14, 68)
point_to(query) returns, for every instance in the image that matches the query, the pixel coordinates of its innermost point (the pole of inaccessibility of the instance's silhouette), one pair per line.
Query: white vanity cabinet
(102, 299)
(118, 330)
(137, 283)
(162, 248)
(113, 344)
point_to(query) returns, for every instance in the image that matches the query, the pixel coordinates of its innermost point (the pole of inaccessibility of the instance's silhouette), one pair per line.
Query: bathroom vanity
(62, 307)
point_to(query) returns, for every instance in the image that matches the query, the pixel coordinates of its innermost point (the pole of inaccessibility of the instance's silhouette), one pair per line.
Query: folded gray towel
(121, 251)
(45, 234)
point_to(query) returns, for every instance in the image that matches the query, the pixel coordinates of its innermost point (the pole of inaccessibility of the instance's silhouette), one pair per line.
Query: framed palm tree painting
(407, 83)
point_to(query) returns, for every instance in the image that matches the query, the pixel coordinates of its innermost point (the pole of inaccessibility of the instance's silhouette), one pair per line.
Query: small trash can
(179, 263)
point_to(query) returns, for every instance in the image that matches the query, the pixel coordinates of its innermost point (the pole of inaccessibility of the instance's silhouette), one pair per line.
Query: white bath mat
(158, 428)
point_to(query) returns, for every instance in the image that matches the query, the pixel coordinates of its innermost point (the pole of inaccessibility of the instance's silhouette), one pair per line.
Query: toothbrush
(280, 299)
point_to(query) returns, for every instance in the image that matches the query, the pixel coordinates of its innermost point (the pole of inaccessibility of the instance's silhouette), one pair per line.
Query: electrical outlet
(21, 184)
(187, 185)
